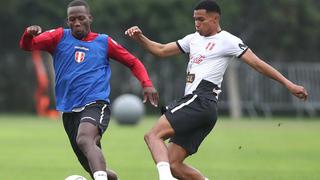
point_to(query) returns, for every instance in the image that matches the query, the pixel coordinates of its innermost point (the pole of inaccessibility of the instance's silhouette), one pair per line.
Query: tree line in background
(277, 30)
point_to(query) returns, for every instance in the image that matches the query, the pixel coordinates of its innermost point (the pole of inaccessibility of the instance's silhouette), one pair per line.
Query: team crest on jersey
(79, 56)
(210, 46)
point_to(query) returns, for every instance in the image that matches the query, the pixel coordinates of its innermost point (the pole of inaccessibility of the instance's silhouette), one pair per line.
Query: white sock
(206, 179)
(100, 175)
(164, 171)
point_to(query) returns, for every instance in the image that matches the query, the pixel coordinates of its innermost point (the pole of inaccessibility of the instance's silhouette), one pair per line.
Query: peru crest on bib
(79, 56)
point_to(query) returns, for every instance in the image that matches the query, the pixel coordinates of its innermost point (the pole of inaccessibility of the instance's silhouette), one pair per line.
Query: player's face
(79, 21)
(206, 23)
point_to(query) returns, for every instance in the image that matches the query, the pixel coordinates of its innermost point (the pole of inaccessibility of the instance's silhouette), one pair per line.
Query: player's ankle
(164, 171)
(100, 175)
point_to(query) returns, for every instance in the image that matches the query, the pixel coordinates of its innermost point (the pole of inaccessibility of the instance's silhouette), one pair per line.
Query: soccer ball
(127, 109)
(75, 177)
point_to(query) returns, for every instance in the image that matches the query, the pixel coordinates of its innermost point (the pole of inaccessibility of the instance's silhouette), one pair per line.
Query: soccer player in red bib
(190, 119)
(82, 73)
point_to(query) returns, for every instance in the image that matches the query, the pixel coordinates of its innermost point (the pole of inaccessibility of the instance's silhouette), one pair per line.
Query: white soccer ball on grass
(75, 177)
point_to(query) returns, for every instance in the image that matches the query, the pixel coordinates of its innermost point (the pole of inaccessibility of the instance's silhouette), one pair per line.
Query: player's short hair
(79, 3)
(209, 6)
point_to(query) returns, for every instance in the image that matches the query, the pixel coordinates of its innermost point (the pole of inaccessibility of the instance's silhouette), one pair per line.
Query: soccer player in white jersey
(190, 119)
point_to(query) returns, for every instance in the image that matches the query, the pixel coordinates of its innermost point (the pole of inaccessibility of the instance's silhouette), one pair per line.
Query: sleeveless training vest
(82, 71)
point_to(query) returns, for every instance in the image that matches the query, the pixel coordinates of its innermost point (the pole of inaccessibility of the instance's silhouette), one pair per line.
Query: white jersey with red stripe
(209, 57)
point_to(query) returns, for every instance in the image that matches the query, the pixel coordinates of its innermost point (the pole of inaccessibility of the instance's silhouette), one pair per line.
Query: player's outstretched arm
(254, 61)
(27, 37)
(34, 39)
(157, 49)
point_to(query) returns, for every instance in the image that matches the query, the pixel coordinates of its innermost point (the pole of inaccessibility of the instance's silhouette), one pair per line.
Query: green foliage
(278, 27)
(280, 30)
(277, 30)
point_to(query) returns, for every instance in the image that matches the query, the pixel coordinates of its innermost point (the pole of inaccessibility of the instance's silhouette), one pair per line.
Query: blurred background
(285, 33)
(275, 138)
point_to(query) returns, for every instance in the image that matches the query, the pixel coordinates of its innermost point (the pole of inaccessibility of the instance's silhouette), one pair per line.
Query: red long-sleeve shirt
(48, 41)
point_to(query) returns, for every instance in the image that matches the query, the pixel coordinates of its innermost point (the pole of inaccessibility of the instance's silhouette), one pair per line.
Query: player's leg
(166, 127)
(155, 141)
(183, 145)
(179, 169)
(163, 129)
(191, 124)
(88, 136)
(93, 123)
(111, 174)
(88, 141)
(71, 125)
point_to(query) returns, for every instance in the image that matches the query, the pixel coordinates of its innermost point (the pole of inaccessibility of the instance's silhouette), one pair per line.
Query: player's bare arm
(34, 30)
(254, 61)
(157, 49)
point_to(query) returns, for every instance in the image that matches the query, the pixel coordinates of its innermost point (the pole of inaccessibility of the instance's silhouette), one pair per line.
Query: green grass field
(279, 149)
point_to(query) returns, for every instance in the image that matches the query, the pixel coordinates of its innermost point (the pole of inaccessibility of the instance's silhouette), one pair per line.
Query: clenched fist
(34, 30)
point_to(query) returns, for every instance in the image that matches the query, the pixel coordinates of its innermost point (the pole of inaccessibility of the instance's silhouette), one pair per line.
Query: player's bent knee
(150, 137)
(147, 137)
(82, 141)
